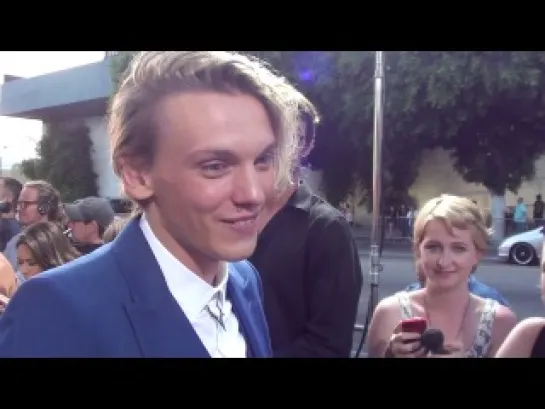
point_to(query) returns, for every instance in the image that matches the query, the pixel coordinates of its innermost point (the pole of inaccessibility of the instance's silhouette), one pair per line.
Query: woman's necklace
(460, 329)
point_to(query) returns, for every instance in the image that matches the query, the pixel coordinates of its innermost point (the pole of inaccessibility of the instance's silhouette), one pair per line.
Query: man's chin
(237, 251)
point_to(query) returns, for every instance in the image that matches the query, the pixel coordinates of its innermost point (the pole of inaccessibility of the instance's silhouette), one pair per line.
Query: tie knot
(215, 309)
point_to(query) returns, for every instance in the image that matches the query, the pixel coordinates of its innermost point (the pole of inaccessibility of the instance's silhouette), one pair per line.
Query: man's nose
(248, 187)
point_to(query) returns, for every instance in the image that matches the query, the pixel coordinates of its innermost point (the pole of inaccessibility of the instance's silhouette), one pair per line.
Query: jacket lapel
(245, 309)
(160, 326)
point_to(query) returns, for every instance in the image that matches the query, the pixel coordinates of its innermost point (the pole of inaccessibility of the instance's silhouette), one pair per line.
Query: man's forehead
(29, 192)
(215, 122)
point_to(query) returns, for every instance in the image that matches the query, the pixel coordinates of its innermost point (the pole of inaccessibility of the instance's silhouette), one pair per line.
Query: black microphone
(433, 340)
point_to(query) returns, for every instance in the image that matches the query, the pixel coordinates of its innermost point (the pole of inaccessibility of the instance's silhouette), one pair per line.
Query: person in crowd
(450, 238)
(391, 220)
(520, 215)
(38, 201)
(309, 264)
(539, 206)
(114, 229)
(10, 189)
(475, 286)
(200, 140)
(527, 339)
(41, 247)
(88, 219)
(403, 220)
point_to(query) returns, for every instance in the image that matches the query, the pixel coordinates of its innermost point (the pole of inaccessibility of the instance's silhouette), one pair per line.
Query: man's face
(81, 231)
(27, 207)
(5, 194)
(212, 174)
(5, 197)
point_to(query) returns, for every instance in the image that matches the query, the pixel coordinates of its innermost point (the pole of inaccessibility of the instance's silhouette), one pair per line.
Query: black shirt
(309, 265)
(538, 209)
(86, 248)
(538, 350)
(8, 228)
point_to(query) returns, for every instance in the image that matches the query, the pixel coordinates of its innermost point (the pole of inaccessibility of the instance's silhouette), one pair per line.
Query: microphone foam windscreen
(433, 340)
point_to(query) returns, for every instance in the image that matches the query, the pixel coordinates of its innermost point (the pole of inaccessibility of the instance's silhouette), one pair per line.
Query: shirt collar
(301, 198)
(190, 291)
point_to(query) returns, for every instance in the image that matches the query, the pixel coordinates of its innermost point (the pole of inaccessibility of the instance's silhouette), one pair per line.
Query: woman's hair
(49, 198)
(48, 244)
(114, 229)
(153, 76)
(456, 212)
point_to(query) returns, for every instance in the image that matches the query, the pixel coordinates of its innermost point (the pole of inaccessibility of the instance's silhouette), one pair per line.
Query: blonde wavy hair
(155, 75)
(456, 212)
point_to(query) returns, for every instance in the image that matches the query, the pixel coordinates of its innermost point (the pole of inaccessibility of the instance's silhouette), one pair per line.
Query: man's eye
(213, 167)
(266, 159)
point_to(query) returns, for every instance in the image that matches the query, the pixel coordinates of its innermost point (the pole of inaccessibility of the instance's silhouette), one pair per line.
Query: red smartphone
(415, 325)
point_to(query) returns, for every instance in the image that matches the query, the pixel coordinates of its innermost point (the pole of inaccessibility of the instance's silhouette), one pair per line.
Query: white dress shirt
(200, 301)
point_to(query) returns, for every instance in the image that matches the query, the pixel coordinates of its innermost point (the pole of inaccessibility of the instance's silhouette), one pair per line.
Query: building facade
(79, 94)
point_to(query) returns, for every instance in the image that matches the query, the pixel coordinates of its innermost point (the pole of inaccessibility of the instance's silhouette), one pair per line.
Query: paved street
(518, 284)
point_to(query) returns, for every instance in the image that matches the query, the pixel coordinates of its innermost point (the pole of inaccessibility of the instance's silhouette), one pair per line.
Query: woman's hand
(405, 345)
(452, 349)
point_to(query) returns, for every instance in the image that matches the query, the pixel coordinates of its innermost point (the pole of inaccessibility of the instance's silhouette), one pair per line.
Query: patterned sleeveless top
(483, 336)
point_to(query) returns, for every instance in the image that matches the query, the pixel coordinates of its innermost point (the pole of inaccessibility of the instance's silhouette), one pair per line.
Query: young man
(309, 264)
(88, 219)
(199, 138)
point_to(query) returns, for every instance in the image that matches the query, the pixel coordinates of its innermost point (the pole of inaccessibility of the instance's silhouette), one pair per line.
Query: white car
(523, 248)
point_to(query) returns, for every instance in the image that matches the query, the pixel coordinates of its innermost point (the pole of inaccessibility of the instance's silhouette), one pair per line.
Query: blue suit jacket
(115, 302)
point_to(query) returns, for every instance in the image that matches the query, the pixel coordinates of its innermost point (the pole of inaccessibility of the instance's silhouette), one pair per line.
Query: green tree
(485, 107)
(29, 168)
(64, 160)
(341, 84)
(119, 63)
(489, 108)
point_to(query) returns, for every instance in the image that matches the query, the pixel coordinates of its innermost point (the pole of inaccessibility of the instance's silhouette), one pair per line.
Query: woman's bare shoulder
(504, 322)
(389, 303)
(529, 327)
(520, 341)
(504, 315)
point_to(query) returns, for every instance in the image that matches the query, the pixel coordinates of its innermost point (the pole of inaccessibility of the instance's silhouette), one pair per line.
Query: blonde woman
(450, 238)
(527, 340)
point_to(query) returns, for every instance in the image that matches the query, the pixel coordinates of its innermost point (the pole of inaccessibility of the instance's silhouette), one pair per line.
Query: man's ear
(136, 179)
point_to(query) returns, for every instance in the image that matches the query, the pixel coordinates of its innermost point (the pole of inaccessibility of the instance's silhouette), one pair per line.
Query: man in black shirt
(310, 269)
(88, 219)
(539, 206)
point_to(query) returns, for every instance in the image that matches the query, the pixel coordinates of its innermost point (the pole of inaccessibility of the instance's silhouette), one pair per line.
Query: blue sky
(18, 137)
